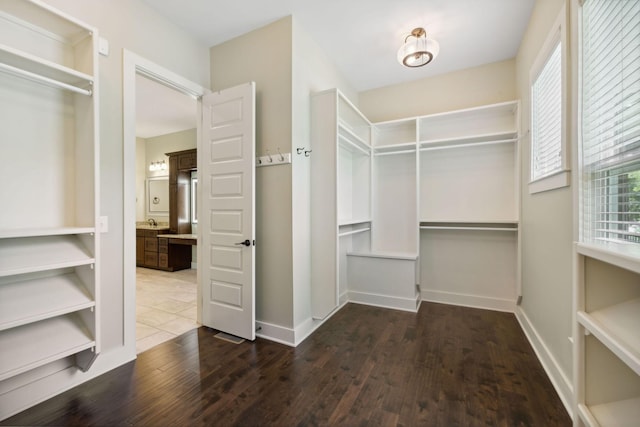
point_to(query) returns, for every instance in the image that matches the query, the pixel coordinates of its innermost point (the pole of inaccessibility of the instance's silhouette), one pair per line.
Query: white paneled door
(228, 222)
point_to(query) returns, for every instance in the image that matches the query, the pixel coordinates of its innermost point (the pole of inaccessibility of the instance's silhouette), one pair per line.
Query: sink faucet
(152, 222)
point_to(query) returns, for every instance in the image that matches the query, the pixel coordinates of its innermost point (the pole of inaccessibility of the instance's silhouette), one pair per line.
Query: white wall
(313, 71)
(547, 231)
(129, 24)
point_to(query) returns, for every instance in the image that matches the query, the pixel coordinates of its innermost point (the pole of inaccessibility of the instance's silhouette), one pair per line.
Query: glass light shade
(418, 50)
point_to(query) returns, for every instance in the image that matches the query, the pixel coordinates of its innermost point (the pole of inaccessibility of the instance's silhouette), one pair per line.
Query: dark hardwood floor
(446, 366)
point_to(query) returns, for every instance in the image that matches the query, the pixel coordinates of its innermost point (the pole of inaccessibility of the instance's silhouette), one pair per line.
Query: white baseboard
(277, 333)
(466, 300)
(560, 381)
(385, 301)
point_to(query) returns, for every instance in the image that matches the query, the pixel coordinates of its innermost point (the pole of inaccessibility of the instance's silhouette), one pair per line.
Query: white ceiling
(363, 36)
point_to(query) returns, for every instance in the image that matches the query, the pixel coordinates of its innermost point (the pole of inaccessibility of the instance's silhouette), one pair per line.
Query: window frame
(560, 177)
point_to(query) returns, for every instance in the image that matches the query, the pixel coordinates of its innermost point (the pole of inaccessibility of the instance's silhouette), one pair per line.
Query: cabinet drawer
(151, 259)
(151, 244)
(150, 233)
(163, 245)
(163, 260)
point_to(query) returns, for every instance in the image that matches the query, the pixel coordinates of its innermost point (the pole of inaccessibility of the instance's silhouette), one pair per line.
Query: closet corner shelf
(618, 413)
(625, 256)
(17, 59)
(616, 327)
(39, 343)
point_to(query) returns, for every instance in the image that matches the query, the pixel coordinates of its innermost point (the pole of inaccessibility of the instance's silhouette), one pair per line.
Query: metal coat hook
(269, 156)
(299, 150)
(307, 153)
(281, 156)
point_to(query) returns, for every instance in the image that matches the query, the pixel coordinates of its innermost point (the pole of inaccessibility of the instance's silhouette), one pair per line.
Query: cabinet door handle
(245, 243)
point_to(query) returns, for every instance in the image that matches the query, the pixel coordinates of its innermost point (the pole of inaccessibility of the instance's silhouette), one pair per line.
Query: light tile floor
(165, 305)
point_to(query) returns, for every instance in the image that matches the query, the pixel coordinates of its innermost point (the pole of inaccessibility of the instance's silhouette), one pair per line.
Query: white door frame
(132, 65)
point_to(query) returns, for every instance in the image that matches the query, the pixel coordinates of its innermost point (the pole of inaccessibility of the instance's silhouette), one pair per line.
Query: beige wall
(547, 227)
(132, 25)
(267, 60)
(486, 84)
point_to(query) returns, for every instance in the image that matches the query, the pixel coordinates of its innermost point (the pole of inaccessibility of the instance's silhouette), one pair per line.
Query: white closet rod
(42, 79)
(390, 153)
(470, 144)
(354, 145)
(437, 227)
(349, 233)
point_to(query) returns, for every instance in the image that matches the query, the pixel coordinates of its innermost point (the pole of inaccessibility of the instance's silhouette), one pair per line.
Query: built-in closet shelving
(427, 206)
(606, 339)
(469, 209)
(340, 195)
(49, 283)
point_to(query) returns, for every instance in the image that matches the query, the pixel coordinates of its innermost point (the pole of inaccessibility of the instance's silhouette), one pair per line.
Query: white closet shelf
(29, 301)
(407, 147)
(346, 135)
(356, 231)
(618, 413)
(32, 254)
(467, 225)
(44, 68)
(617, 328)
(40, 17)
(53, 231)
(345, 222)
(621, 255)
(36, 344)
(505, 137)
(386, 255)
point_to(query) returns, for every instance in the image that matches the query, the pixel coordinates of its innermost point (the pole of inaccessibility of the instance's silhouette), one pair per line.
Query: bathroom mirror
(158, 195)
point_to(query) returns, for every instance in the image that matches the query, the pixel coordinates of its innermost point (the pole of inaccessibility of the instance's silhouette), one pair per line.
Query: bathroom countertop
(179, 236)
(152, 227)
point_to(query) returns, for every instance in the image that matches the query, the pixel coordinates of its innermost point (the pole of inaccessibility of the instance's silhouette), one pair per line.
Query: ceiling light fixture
(418, 50)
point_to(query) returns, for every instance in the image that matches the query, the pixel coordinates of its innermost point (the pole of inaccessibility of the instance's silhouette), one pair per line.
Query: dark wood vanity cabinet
(147, 247)
(181, 164)
(156, 252)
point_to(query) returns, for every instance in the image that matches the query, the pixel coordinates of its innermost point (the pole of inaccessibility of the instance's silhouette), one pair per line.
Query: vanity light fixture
(158, 166)
(418, 50)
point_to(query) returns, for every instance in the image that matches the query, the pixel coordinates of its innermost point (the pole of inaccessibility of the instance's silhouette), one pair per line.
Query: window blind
(610, 121)
(546, 118)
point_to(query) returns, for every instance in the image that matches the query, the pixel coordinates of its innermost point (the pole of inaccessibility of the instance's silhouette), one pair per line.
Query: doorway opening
(161, 115)
(166, 280)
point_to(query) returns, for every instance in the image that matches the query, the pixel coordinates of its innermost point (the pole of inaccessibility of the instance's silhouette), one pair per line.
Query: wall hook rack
(269, 160)
(307, 153)
(299, 150)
